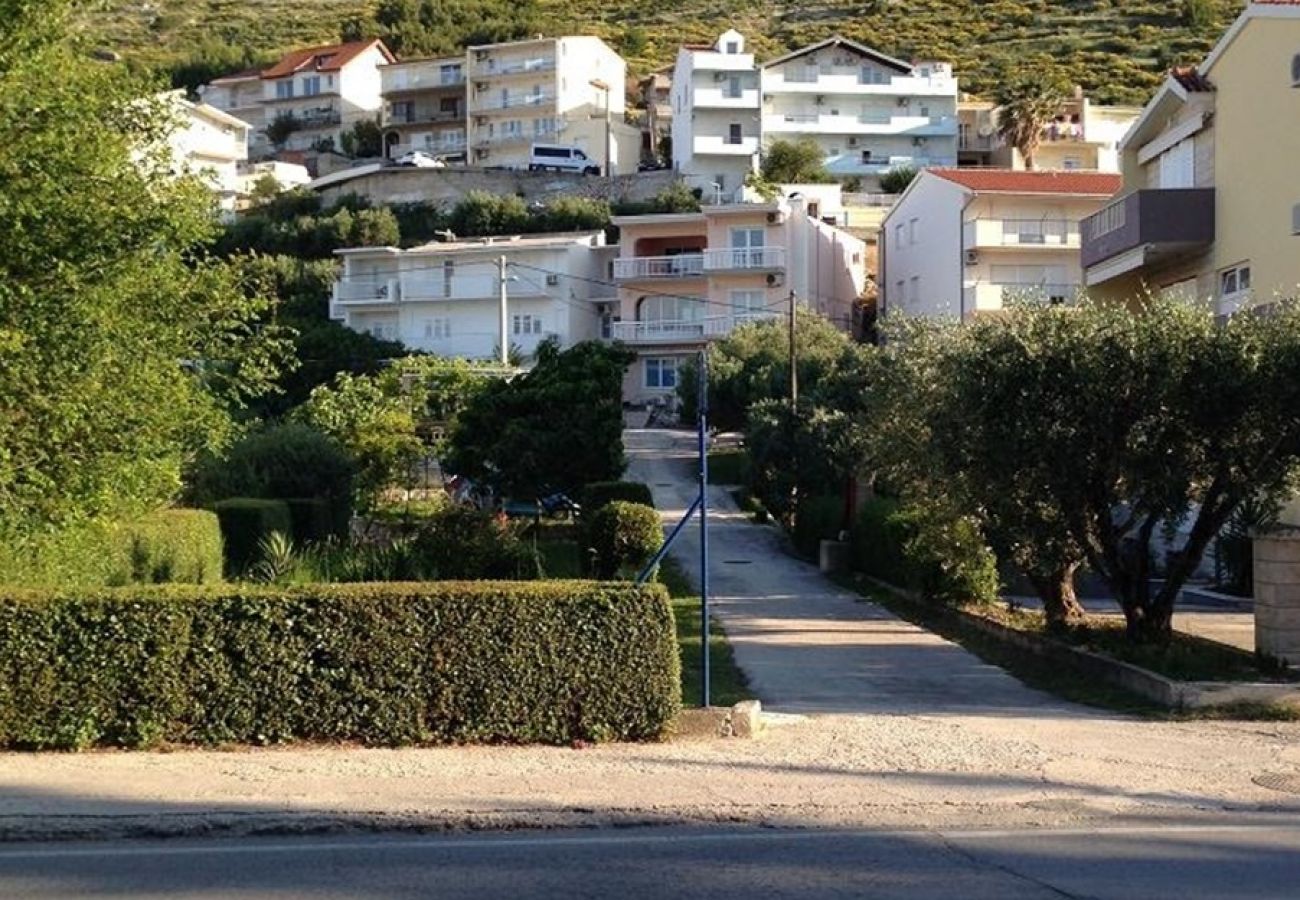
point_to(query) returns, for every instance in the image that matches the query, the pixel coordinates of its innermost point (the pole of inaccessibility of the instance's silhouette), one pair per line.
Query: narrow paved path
(805, 644)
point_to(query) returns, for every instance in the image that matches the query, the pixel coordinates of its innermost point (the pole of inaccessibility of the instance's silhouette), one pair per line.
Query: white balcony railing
(494, 67)
(1054, 233)
(724, 98)
(423, 78)
(844, 82)
(519, 101)
(714, 61)
(670, 331)
(995, 295)
(683, 265)
(367, 291)
(720, 145)
(744, 259)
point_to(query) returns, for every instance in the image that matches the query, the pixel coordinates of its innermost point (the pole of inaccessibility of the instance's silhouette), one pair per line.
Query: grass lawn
(1187, 655)
(727, 683)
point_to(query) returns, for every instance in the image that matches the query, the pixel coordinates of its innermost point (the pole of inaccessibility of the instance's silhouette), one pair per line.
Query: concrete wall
(449, 185)
(934, 257)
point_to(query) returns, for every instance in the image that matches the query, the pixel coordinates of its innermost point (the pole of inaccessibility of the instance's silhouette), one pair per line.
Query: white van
(561, 158)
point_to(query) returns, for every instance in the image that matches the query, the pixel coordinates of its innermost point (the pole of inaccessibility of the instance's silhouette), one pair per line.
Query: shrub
(600, 493)
(944, 558)
(623, 538)
(817, 519)
(463, 542)
(313, 519)
(245, 521)
(379, 664)
(173, 545)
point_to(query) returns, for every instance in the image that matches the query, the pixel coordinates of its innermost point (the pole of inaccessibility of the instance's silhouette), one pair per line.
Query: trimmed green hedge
(170, 545)
(817, 518)
(383, 664)
(624, 537)
(601, 493)
(245, 521)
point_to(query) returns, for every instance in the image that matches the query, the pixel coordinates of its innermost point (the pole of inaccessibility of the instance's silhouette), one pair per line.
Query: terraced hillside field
(1117, 49)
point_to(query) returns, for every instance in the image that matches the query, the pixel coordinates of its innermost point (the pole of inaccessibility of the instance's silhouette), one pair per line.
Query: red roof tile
(1007, 181)
(324, 59)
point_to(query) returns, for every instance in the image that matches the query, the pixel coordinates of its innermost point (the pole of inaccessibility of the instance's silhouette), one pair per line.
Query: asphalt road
(1148, 861)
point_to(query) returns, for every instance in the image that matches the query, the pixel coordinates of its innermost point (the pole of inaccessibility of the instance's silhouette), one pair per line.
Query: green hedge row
(602, 493)
(384, 664)
(167, 546)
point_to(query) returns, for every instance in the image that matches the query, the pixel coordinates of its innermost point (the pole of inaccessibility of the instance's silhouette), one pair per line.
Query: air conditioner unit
(552, 280)
(820, 100)
(776, 218)
(918, 142)
(904, 101)
(719, 76)
(853, 142)
(775, 279)
(972, 257)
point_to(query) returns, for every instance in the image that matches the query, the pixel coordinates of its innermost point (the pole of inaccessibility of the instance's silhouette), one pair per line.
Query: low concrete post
(1277, 594)
(835, 556)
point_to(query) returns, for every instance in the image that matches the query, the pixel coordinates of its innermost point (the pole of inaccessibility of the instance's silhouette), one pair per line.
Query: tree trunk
(1056, 589)
(1149, 623)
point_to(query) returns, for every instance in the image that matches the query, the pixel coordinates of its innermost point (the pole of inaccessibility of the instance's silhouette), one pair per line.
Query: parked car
(420, 160)
(561, 158)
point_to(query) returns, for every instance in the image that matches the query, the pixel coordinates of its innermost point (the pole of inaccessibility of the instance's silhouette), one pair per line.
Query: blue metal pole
(704, 526)
(663, 551)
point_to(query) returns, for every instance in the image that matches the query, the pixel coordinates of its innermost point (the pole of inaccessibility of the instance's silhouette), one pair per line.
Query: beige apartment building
(685, 279)
(569, 91)
(1210, 205)
(960, 242)
(424, 107)
(1081, 136)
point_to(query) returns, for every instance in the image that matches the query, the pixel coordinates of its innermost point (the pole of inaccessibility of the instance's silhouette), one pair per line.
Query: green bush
(283, 462)
(379, 664)
(313, 519)
(463, 542)
(817, 519)
(245, 521)
(172, 545)
(600, 493)
(943, 558)
(624, 537)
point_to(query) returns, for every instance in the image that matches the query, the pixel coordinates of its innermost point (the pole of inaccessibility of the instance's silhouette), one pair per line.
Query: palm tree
(1028, 99)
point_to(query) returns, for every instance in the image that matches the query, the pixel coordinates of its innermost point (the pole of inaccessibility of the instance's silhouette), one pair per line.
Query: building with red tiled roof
(1210, 206)
(960, 242)
(318, 92)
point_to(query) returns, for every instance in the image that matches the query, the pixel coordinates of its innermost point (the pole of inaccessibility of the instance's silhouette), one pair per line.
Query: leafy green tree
(795, 162)
(481, 214)
(896, 180)
(1028, 96)
(281, 128)
(556, 427)
(123, 348)
(364, 141)
(1084, 432)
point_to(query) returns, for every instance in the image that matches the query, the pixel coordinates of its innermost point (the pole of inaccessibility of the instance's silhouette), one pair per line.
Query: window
(1295, 70)
(528, 324)
(898, 236)
(1234, 281)
(311, 86)
(916, 288)
(733, 87)
(450, 74)
(448, 273)
(1177, 166)
(913, 231)
(748, 304)
(733, 48)
(747, 247)
(404, 111)
(284, 89)
(438, 329)
(669, 309)
(661, 372)
(734, 133)
(449, 106)
(900, 288)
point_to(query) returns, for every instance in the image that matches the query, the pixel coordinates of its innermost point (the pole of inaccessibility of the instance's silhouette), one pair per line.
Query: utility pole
(501, 288)
(704, 527)
(794, 355)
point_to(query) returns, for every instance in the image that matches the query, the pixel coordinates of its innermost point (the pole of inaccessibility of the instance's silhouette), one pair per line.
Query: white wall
(929, 251)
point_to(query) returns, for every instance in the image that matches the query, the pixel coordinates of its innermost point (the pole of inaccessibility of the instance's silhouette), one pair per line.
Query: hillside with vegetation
(1117, 49)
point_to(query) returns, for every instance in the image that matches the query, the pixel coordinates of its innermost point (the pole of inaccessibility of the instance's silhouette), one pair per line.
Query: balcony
(677, 331)
(1146, 227)
(713, 61)
(522, 101)
(868, 164)
(493, 68)
(683, 265)
(367, 292)
(426, 117)
(851, 84)
(744, 259)
(1058, 234)
(994, 295)
(882, 123)
(398, 81)
(718, 145)
(724, 98)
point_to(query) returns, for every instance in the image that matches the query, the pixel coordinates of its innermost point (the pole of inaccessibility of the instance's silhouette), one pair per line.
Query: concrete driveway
(805, 644)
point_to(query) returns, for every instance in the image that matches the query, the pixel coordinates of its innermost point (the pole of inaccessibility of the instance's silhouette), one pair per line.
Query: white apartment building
(566, 90)
(210, 144)
(686, 279)
(1081, 136)
(961, 242)
(444, 298)
(716, 115)
(869, 112)
(424, 107)
(324, 91)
